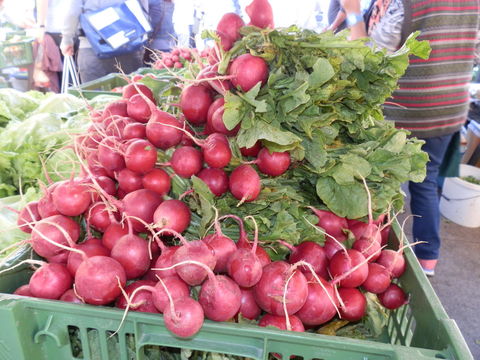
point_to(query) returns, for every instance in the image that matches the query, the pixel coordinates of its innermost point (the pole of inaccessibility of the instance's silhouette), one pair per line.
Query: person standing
(90, 66)
(336, 16)
(432, 100)
(162, 37)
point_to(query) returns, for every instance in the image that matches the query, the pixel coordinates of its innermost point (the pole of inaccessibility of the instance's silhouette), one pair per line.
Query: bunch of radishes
(177, 58)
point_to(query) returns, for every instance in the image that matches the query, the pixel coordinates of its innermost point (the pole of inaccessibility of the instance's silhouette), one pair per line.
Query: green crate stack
(15, 54)
(44, 329)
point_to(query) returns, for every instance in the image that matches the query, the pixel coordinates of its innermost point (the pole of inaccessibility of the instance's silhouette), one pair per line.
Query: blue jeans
(425, 201)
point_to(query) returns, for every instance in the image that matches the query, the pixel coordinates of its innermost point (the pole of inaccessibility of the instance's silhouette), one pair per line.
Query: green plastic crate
(39, 329)
(101, 86)
(14, 54)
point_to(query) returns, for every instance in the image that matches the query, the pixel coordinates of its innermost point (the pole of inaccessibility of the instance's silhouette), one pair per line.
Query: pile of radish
(132, 253)
(177, 58)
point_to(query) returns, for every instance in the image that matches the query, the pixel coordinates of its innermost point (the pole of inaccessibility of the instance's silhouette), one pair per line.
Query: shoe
(428, 266)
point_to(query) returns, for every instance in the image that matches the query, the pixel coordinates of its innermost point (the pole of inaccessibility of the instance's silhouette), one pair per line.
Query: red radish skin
(106, 184)
(133, 88)
(135, 131)
(71, 297)
(321, 303)
(23, 290)
(173, 215)
(195, 101)
(141, 204)
(112, 233)
(247, 71)
(131, 251)
(157, 180)
(354, 305)
(281, 322)
(165, 260)
(368, 248)
(344, 261)
(222, 247)
(116, 126)
(138, 109)
(248, 307)
(98, 280)
(393, 297)
(310, 252)
(28, 216)
(45, 206)
(216, 180)
(214, 107)
(71, 198)
(273, 163)
(331, 223)
(230, 24)
(378, 279)
(186, 161)
(97, 216)
(196, 251)
(109, 154)
(60, 258)
(216, 151)
(142, 300)
(91, 247)
(331, 247)
(260, 13)
(129, 180)
(162, 130)
(269, 291)
(140, 156)
(252, 151)
(217, 124)
(44, 229)
(118, 108)
(50, 281)
(393, 261)
(177, 289)
(185, 319)
(244, 183)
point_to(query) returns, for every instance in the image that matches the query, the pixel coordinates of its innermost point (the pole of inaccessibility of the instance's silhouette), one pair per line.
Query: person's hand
(40, 35)
(351, 6)
(67, 50)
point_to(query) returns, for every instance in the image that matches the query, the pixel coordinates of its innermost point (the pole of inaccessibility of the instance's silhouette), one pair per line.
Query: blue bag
(116, 30)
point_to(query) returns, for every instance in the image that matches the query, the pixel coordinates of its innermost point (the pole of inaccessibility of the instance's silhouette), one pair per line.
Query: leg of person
(90, 66)
(473, 141)
(425, 205)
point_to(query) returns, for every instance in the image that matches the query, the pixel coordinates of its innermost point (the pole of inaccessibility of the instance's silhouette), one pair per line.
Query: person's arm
(352, 7)
(42, 8)
(339, 19)
(70, 24)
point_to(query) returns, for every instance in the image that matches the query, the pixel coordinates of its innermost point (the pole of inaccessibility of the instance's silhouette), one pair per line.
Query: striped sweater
(432, 99)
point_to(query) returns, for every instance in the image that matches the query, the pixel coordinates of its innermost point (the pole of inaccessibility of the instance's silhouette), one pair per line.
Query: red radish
(162, 130)
(354, 305)
(184, 317)
(248, 307)
(98, 280)
(244, 266)
(140, 156)
(118, 107)
(186, 161)
(141, 301)
(321, 303)
(216, 180)
(195, 101)
(281, 322)
(273, 164)
(331, 247)
(109, 154)
(378, 279)
(129, 180)
(211, 75)
(385, 234)
(222, 247)
(91, 247)
(50, 281)
(157, 180)
(131, 251)
(310, 252)
(191, 250)
(219, 296)
(344, 262)
(274, 295)
(393, 297)
(393, 261)
(244, 183)
(368, 247)
(116, 126)
(23, 290)
(226, 42)
(252, 151)
(134, 131)
(260, 13)
(138, 109)
(217, 124)
(216, 151)
(165, 260)
(331, 223)
(219, 102)
(58, 229)
(176, 287)
(134, 88)
(72, 198)
(28, 216)
(45, 205)
(178, 65)
(230, 24)
(172, 215)
(60, 258)
(247, 71)
(112, 233)
(106, 184)
(70, 296)
(141, 204)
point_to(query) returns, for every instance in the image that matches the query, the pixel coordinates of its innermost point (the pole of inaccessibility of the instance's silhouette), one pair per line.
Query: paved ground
(457, 277)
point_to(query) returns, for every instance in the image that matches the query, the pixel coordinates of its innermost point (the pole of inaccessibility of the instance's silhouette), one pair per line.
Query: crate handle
(58, 335)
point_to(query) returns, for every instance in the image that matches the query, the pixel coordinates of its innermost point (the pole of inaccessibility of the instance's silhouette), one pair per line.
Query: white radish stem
(369, 201)
(27, 261)
(255, 242)
(326, 234)
(170, 301)
(211, 274)
(67, 236)
(284, 301)
(174, 233)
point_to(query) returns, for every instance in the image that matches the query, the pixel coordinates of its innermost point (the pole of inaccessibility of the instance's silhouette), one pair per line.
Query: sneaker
(428, 266)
